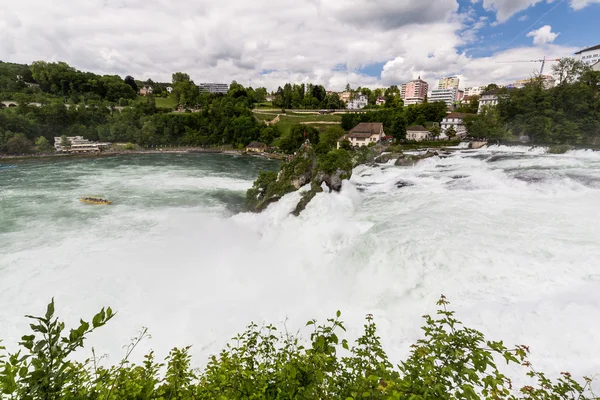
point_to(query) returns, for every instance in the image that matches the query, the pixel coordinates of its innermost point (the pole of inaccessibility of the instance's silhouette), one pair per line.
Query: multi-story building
(380, 101)
(345, 96)
(547, 80)
(455, 120)
(79, 145)
(474, 91)
(448, 96)
(488, 99)
(414, 92)
(448, 82)
(214, 87)
(596, 67)
(589, 55)
(359, 101)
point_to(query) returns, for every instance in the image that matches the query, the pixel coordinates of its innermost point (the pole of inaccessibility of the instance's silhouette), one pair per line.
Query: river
(510, 236)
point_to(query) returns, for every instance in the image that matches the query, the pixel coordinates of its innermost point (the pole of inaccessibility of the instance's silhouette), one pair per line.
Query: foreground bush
(449, 362)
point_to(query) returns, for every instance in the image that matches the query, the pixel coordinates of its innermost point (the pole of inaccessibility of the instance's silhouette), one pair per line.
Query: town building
(488, 99)
(169, 89)
(589, 55)
(448, 96)
(79, 145)
(146, 90)
(460, 95)
(359, 101)
(417, 132)
(380, 101)
(474, 91)
(414, 92)
(596, 67)
(448, 82)
(345, 96)
(213, 88)
(548, 82)
(455, 120)
(256, 147)
(363, 134)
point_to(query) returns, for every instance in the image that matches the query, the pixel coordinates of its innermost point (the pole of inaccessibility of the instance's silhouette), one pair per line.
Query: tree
(65, 142)
(435, 131)
(131, 82)
(43, 145)
(487, 124)
(491, 86)
(185, 91)
(18, 144)
(567, 70)
(450, 132)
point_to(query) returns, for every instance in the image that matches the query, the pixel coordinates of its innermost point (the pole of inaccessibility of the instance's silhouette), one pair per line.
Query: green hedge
(450, 361)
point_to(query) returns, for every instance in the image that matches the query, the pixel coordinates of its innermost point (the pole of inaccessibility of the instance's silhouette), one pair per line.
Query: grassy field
(265, 116)
(287, 121)
(163, 102)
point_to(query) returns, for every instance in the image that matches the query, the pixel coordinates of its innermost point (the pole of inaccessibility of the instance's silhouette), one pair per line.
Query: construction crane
(543, 61)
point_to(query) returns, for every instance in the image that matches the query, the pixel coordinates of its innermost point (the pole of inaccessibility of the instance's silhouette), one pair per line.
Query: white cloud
(523, 18)
(579, 4)
(543, 36)
(507, 8)
(264, 41)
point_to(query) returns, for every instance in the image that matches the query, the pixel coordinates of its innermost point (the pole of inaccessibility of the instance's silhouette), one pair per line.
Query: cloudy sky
(270, 42)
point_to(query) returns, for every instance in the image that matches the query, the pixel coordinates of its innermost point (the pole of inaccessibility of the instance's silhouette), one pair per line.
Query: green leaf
(50, 310)
(338, 313)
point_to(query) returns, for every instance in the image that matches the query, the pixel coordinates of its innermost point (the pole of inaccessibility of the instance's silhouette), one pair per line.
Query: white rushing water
(510, 236)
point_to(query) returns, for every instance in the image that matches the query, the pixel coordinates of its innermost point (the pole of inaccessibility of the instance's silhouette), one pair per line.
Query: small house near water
(256, 147)
(363, 134)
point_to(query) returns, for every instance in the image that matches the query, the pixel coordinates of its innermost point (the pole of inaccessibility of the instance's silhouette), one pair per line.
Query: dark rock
(401, 184)
(306, 198)
(410, 160)
(333, 180)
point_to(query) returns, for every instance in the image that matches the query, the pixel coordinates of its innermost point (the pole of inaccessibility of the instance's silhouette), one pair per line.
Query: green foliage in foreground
(449, 362)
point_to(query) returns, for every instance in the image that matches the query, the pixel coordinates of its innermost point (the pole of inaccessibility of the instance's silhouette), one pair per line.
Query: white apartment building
(359, 101)
(474, 90)
(489, 99)
(79, 145)
(457, 121)
(589, 56)
(448, 96)
(214, 87)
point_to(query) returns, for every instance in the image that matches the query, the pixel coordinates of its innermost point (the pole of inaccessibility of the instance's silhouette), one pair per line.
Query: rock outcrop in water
(306, 167)
(408, 160)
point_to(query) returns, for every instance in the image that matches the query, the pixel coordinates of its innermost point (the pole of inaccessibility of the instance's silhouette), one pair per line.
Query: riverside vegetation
(566, 114)
(83, 103)
(450, 361)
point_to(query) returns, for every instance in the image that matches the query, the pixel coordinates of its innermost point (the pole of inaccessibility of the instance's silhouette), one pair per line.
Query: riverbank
(112, 153)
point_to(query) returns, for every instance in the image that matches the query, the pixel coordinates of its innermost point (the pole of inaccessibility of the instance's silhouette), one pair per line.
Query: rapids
(511, 236)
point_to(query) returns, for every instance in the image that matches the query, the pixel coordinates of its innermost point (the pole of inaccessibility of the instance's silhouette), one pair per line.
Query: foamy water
(509, 235)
